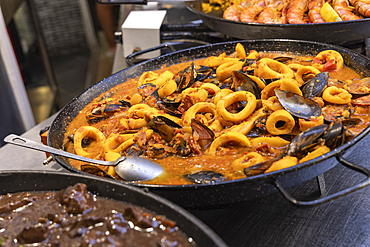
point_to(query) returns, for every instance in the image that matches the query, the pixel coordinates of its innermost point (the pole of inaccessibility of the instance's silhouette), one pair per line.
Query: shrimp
(232, 12)
(250, 14)
(344, 10)
(361, 6)
(295, 14)
(274, 13)
(314, 7)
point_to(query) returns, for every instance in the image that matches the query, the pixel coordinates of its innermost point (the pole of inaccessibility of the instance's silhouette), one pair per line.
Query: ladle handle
(23, 142)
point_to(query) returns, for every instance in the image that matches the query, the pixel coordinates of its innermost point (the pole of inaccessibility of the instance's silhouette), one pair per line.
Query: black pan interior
(180, 194)
(17, 181)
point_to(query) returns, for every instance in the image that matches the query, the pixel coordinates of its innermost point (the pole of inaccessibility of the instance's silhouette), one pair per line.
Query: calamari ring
(303, 71)
(306, 124)
(280, 116)
(114, 141)
(217, 61)
(336, 95)
(329, 60)
(132, 123)
(198, 107)
(162, 78)
(268, 68)
(258, 80)
(241, 139)
(167, 88)
(196, 94)
(224, 70)
(240, 50)
(91, 132)
(283, 163)
(247, 160)
(314, 154)
(222, 93)
(147, 77)
(233, 98)
(274, 141)
(210, 87)
(285, 84)
(273, 104)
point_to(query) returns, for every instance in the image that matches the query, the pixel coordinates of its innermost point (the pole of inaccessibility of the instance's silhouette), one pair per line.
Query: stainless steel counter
(268, 221)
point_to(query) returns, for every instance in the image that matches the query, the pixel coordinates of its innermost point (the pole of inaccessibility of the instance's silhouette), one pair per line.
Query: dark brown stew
(75, 217)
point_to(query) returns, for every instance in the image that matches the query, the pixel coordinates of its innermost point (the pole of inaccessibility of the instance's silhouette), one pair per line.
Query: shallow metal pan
(18, 181)
(237, 190)
(330, 32)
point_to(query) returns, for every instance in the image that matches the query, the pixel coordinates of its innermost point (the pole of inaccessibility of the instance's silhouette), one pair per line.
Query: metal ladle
(130, 168)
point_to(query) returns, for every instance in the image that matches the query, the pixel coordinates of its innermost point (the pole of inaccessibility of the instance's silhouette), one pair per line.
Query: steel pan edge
(18, 181)
(229, 191)
(330, 32)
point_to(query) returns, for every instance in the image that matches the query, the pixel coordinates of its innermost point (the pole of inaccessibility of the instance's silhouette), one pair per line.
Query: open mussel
(242, 82)
(165, 127)
(170, 105)
(147, 89)
(202, 134)
(186, 78)
(205, 177)
(105, 110)
(316, 85)
(297, 105)
(359, 86)
(205, 72)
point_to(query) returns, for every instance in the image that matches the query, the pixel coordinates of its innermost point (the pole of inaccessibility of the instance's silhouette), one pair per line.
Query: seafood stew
(75, 217)
(266, 104)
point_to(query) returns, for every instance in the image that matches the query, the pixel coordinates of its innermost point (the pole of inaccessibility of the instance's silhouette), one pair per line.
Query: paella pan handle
(129, 58)
(328, 198)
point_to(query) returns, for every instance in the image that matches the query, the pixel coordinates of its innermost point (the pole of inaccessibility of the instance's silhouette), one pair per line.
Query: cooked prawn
(274, 13)
(314, 7)
(296, 11)
(250, 14)
(232, 12)
(344, 10)
(361, 6)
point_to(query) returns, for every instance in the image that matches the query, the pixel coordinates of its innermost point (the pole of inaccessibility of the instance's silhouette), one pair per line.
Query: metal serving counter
(268, 221)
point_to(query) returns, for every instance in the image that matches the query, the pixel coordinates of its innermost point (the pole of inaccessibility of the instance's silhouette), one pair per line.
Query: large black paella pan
(329, 32)
(201, 195)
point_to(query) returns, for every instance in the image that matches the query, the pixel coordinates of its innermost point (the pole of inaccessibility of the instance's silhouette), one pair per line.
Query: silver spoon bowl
(130, 168)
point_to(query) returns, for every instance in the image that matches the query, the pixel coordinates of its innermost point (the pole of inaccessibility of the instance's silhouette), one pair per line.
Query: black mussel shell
(283, 59)
(164, 126)
(297, 105)
(259, 168)
(359, 86)
(91, 169)
(316, 85)
(242, 82)
(146, 89)
(205, 177)
(333, 134)
(204, 72)
(186, 78)
(304, 140)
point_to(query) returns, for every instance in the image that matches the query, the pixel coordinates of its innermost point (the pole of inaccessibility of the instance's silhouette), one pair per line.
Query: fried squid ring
(247, 160)
(304, 70)
(90, 132)
(233, 98)
(224, 70)
(280, 122)
(237, 137)
(336, 95)
(268, 68)
(196, 108)
(328, 60)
